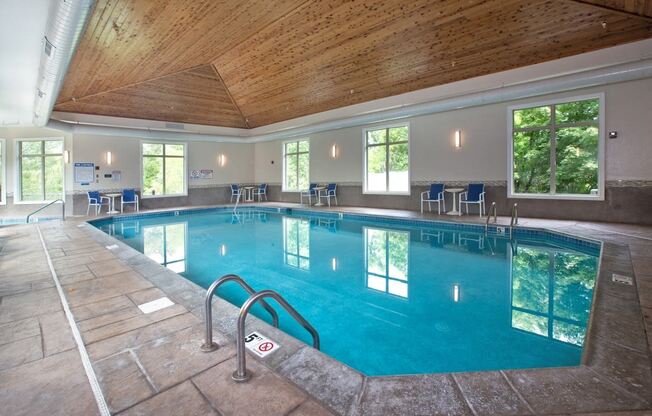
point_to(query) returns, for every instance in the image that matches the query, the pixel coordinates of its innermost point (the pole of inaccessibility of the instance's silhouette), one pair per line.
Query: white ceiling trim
(617, 64)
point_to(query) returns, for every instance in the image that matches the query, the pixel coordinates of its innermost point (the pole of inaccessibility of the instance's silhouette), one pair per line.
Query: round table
(112, 209)
(454, 191)
(318, 189)
(249, 193)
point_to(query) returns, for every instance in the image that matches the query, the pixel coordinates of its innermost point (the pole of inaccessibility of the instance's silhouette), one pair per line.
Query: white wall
(483, 155)
(125, 151)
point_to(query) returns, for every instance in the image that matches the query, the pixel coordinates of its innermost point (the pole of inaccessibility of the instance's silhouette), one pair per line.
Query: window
(40, 170)
(387, 160)
(556, 150)
(386, 258)
(296, 243)
(296, 165)
(164, 169)
(3, 182)
(166, 245)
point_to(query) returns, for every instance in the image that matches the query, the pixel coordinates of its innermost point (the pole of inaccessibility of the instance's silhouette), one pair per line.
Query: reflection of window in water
(296, 242)
(386, 258)
(166, 245)
(552, 292)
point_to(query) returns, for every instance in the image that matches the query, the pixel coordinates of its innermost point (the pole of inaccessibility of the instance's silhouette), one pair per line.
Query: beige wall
(483, 155)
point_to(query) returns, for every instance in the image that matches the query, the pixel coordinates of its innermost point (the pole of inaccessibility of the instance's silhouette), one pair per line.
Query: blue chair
(331, 192)
(97, 201)
(473, 195)
(261, 191)
(309, 193)
(129, 196)
(235, 191)
(435, 194)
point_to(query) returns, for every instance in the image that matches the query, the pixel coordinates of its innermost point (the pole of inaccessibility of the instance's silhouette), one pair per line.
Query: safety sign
(260, 345)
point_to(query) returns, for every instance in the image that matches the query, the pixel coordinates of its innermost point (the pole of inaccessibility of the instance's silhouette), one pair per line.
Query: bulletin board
(84, 172)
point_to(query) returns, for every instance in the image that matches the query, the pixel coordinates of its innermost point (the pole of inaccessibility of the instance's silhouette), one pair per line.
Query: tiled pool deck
(151, 363)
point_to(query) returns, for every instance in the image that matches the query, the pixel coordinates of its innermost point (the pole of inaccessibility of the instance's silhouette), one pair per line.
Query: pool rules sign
(260, 345)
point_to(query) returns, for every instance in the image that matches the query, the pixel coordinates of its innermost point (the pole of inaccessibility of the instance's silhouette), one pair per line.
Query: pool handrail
(514, 220)
(63, 209)
(241, 374)
(208, 344)
(491, 209)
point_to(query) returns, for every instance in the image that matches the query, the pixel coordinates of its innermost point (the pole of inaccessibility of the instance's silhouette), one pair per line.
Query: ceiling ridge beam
(612, 10)
(235, 104)
(133, 84)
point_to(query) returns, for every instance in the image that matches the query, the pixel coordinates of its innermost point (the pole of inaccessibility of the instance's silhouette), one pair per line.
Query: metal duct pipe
(65, 25)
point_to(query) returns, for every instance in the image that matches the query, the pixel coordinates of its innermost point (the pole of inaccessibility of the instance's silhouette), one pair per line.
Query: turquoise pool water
(391, 297)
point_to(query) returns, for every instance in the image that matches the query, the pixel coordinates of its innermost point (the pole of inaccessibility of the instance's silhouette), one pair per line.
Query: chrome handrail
(514, 220)
(63, 209)
(209, 345)
(491, 209)
(241, 374)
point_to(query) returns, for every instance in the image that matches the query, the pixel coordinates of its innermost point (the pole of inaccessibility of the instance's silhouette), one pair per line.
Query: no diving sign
(260, 345)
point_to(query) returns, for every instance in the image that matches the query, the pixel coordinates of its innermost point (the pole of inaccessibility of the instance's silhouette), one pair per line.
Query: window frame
(185, 168)
(3, 171)
(387, 144)
(600, 196)
(298, 153)
(18, 186)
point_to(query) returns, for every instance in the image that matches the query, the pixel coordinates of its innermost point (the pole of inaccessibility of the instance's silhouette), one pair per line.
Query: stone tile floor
(151, 363)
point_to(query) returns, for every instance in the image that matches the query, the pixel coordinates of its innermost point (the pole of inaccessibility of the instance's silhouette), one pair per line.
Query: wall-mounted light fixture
(458, 139)
(334, 264)
(221, 159)
(109, 158)
(66, 156)
(223, 250)
(334, 151)
(456, 293)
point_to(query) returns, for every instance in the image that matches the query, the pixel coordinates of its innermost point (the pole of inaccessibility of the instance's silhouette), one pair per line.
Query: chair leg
(421, 206)
(88, 209)
(438, 207)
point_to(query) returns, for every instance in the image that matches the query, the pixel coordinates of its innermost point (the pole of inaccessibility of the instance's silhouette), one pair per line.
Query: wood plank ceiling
(249, 63)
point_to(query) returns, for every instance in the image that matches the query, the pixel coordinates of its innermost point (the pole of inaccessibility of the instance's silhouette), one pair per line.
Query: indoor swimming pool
(390, 296)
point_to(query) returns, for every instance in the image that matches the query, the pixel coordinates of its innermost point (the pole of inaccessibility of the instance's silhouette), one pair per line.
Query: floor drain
(625, 280)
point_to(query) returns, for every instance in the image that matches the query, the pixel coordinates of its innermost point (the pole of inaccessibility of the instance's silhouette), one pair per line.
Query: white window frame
(185, 169)
(386, 275)
(283, 181)
(3, 171)
(364, 159)
(17, 170)
(601, 149)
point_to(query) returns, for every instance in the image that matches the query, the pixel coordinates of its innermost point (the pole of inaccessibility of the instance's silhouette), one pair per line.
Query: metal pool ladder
(491, 209)
(241, 374)
(514, 221)
(209, 345)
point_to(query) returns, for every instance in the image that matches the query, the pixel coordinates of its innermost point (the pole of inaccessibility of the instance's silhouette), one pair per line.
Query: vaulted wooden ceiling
(248, 63)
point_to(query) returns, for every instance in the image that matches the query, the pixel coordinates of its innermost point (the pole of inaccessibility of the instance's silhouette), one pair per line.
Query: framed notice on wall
(84, 172)
(201, 174)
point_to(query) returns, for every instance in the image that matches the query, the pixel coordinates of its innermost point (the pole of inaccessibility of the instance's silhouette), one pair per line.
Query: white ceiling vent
(175, 126)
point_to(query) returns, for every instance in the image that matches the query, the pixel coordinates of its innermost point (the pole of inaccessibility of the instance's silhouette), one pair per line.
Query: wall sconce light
(221, 159)
(456, 293)
(66, 156)
(334, 264)
(109, 158)
(458, 139)
(334, 151)
(223, 250)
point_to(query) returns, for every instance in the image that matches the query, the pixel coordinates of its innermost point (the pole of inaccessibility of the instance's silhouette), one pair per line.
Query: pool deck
(151, 363)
